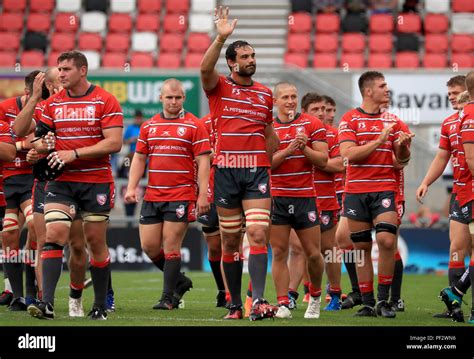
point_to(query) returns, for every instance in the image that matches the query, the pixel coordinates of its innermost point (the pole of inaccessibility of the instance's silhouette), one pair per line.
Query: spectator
(424, 218)
(328, 6)
(383, 6)
(131, 133)
(356, 6)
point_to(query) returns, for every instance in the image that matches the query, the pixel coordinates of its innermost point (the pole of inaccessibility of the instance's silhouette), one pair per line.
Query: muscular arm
(209, 75)
(137, 168)
(334, 165)
(7, 151)
(203, 173)
(355, 153)
(272, 141)
(111, 143)
(318, 154)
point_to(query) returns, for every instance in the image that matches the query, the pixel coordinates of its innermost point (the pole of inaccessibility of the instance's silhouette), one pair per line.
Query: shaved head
(280, 86)
(172, 85)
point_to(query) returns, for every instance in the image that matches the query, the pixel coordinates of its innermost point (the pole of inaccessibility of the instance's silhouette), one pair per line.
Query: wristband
(19, 145)
(77, 154)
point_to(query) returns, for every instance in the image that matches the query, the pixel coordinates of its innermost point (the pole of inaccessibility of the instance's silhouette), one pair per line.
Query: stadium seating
(299, 43)
(141, 60)
(7, 58)
(436, 23)
(326, 43)
(35, 41)
(94, 21)
(42, 5)
(436, 43)
(10, 41)
(144, 41)
(461, 23)
(11, 22)
(90, 41)
(193, 60)
(435, 61)
(382, 43)
(124, 6)
(408, 42)
(175, 23)
(407, 60)
(437, 6)
(296, 60)
(325, 61)
(177, 6)
(352, 60)
(380, 60)
(14, 5)
(32, 59)
(203, 6)
(149, 6)
(38, 22)
(66, 22)
(63, 42)
(464, 61)
(119, 43)
(147, 22)
(168, 60)
(68, 5)
(114, 60)
(93, 59)
(327, 23)
(96, 5)
(171, 43)
(353, 42)
(53, 58)
(198, 42)
(354, 23)
(463, 6)
(300, 22)
(409, 22)
(381, 23)
(200, 23)
(120, 23)
(462, 43)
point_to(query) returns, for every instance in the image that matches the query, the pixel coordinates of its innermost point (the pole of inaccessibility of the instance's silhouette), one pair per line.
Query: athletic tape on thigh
(386, 227)
(28, 212)
(362, 236)
(10, 222)
(95, 217)
(210, 231)
(230, 224)
(471, 227)
(257, 216)
(57, 216)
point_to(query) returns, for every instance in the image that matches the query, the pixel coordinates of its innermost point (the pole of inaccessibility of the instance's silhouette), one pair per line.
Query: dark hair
(78, 58)
(138, 113)
(459, 80)
(309, 98)
(231, 51)
(329, 100)
(367, 77)
(30, 78)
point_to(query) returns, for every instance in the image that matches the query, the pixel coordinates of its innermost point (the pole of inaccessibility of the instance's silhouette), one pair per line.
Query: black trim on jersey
(184, 112)
(284, 123)
(236, 83)
(367, 113)
(88, 92)
(18, 103)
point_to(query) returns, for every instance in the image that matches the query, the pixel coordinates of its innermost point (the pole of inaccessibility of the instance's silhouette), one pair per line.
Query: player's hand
(60, 158)
(202, 204)
(292, 147)
(131, 196)
(49, 141)
(385, 134)
(421, 192)
(302, 138)
(223, 27)
(405, 138)
(32, 156)
(38, 87)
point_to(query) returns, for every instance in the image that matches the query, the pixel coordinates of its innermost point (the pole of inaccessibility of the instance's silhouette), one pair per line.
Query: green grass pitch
(137, 292)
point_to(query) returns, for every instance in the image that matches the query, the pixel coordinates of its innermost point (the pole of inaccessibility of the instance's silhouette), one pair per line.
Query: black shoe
(41, 310)
(293, 298)
(398, 306)
(184, 284)
(365, 311)
(97, 314)
(447, 314)
(17, 305)
(352, 299)
(220, 300)
(6, 298)
(165, 303)
(456, 314)
(384, 309)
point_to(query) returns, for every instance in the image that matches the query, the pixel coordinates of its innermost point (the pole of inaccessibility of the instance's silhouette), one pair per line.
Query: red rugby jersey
(241, 114)
(449, 141)
(465, 193)
(339, 176)
(9, 109)
(375, 173)
(399, 173)
(295, 176)
(171, 145)
(207, 123)
(324, 181)
(5, 137)
(78, 122)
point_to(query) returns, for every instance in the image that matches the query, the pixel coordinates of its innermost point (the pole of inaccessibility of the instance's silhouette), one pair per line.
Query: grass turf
(137, 292)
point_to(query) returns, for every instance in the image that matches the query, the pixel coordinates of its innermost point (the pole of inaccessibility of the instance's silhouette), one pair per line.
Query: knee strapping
(95, 217)
(230, 224)
(210, 231)
(57, 216)
(28, 212)
(10, 222)
(362, 236)
(471, 227)
(386, 227)
(257, 216)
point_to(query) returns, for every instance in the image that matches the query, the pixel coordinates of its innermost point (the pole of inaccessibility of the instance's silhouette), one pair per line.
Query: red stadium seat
(141, 60)
(171, 43)
(114, 60)
(120, 23)
(353, 42)
(90, 41)
(296, 60)
(462, 43)
(300, 22)
(380, 43)
(380, 60)
(11, 22)
(407, 60)
(352, 60)
(175, 23)
(7, 58)
(14, 5)
(464, 61)
(117, 43)
(147, 22)
(325, 61)
(193, 60)
(409, 22)
(198, 42)
(149, 6)
(177, 6)
(381, 23)
(10, 41)
(327, 23)
(53, 58)
(168, 61)
(63, 41)
(436, 43)
(435, 61)
(66, 22)
(42, 5)
(436, 23)
(38, 22)
(299, 43)
(326, 43)
(463, 6)
(32, 59)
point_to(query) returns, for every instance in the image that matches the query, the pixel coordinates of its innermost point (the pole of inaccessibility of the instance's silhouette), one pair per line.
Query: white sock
(8, 287)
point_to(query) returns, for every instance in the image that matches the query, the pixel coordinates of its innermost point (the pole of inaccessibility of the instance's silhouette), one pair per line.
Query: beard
(247, 72)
